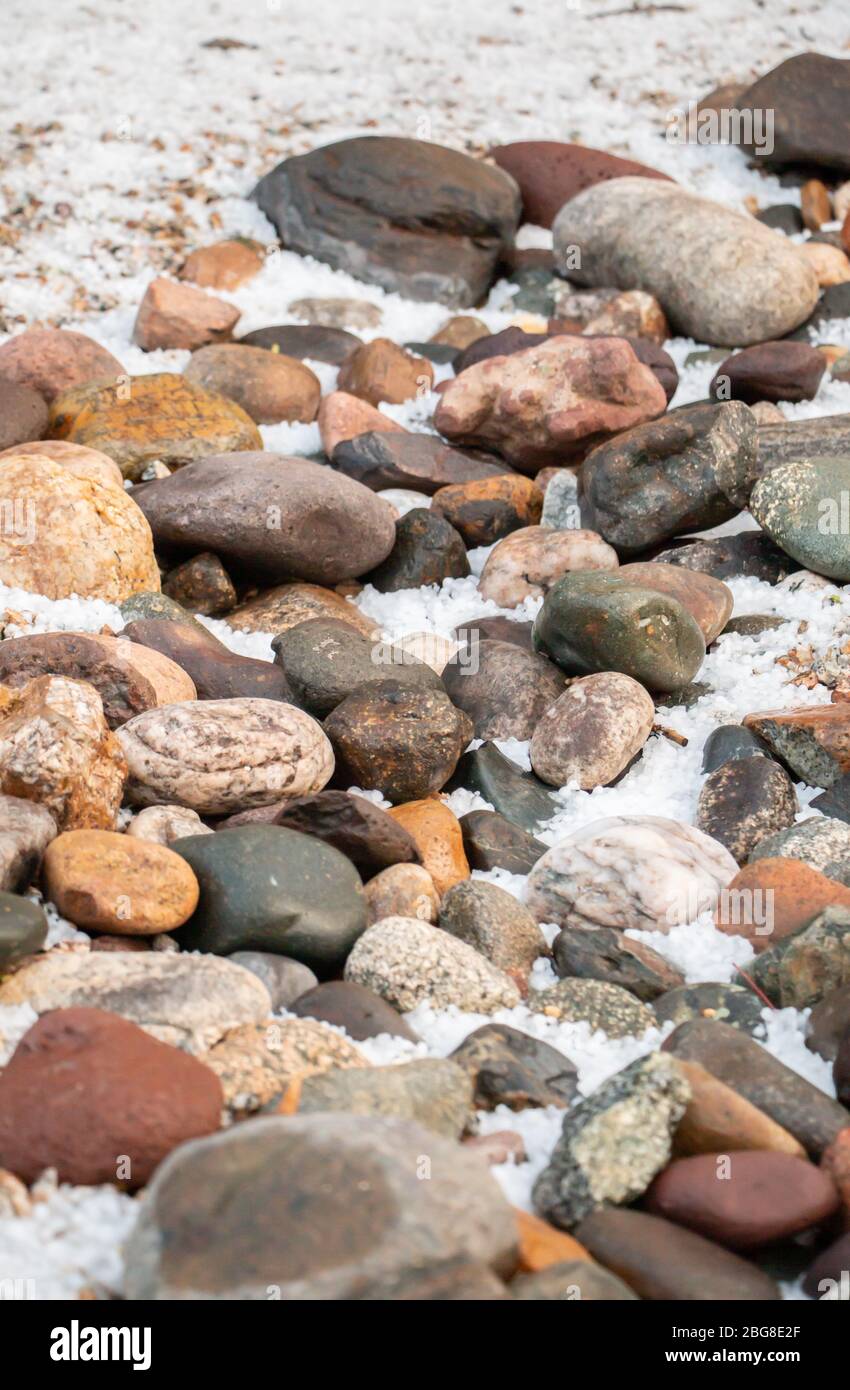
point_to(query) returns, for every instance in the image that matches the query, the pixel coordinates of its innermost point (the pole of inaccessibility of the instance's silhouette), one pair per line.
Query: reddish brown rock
(782, 371)
(709, 601)
(56, 749)
(217, 673)
(528, 562)
(661, 1261)
(773, 898)
(743, 1200)
(201, 585)
(278, 609)
(120, 884)
(93, 1096)
(269, 386)
(23, 415)
(548, 403)
(814, 740)
(423, 462)
(486, 510)
(179, 316)
(617, 313)
(50, 360)
(382, 371)
(835, 1161)
(402, 890)
(815, 204)
(550, 172)
(439, 840)
(129, 678)
(343, 416)
(224, 266)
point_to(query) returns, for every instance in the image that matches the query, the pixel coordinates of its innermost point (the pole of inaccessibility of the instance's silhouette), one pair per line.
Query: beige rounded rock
(278, 609)
(256, 1063)
(76, 458)
(429, 647)
(528, 562)
(831, 266)
(71, 535)
(592, 732)
(114, 883)
(56, 749)
(221, 756)
(402, 890)
(163, 824)
(408, 962)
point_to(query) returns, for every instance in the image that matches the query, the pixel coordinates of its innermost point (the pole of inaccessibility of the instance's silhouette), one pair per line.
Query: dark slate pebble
(609, 955)
(783, 217)
(441, 354)
(218, 673)
(514, 1069)
(264, 888)
(729, 557)
(492, 842)
(427, 550)
(518, 796)
(424, 462)
(835, 801)
(311, 340)
(730, 742)
(828, 1022)
(361, 1012)
(325, 659)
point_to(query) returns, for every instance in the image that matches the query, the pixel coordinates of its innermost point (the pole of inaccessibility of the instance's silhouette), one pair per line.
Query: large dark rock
(281, 518)
(606, 954)
(730, 557)
(744, 801)
(361, 831)
(809, 98)
(264, 888)
(688, 471)
(381, 459)
(417, 219)
(728, 743)
(316, 1206)
(427, 550)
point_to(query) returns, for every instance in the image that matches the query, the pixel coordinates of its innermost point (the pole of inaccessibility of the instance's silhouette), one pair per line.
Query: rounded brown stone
(50, 360)
(485, 510)
(93, 1096)
(550, 172)
(382, 371)
(719, 1120)
(216, 672)
(201, 585)
(343, 416)
(771, 899)
(504, 689)
(361, 1012)
(460, 330)
(179, 316)
(269, 386)
(117, 883)
(743, 1200)
(439, 840)
(278, 609)
(225, 265)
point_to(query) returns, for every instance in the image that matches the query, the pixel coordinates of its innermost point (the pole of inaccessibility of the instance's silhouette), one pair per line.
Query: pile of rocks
(247, 922)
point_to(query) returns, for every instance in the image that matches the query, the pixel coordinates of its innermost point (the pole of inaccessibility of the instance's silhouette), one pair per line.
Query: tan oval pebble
(592, 731)
(114, 883)
(439, 839)
(162, 824)
(76, 458)
(402, 890)
(219, 756)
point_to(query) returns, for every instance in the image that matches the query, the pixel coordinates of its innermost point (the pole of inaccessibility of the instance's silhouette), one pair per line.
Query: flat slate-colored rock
(724, 278)
(492, 842)
(319, 1206)
(310, 340)
(601, 953)
(415, 218)
(265, 888)
(518, 796)
(345, 1004)
(384, 459)
(511, 1068)
(361, 831)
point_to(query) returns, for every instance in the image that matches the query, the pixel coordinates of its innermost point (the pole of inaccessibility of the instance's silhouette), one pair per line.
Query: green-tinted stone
(23, 928)
(804, 506)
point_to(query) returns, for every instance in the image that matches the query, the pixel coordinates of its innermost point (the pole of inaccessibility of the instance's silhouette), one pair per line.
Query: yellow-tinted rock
(439, 840)
(278, 609)
(461, 330)
(56, 749)
(107, 882)
(162, 416)
(541, 1245)
(69, 534)
(718, 1120)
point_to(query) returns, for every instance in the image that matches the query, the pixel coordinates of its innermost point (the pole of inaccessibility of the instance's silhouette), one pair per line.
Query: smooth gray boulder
(721, 277)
